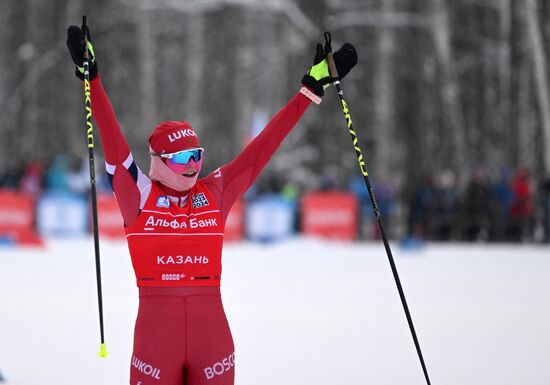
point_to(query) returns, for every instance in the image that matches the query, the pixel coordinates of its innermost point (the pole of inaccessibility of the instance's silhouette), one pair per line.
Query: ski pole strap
(330, 58)
(85, 33)
(310, 94)
(328, 42)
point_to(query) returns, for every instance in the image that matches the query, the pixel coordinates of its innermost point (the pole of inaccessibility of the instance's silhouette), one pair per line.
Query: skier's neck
(171, 192)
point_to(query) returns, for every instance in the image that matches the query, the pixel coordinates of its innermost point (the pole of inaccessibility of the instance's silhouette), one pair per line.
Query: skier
(174, 225)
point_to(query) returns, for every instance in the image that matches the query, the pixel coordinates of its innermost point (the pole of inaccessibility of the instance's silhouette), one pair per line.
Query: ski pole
(360, 159)
(90, 139)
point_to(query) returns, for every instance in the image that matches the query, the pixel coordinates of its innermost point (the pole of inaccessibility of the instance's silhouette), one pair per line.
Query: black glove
(318, 77)
(75, 43)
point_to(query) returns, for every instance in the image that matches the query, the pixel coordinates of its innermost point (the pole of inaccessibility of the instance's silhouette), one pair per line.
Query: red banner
(17, 218)
(109, 217)
(234, 226)
(331, 214)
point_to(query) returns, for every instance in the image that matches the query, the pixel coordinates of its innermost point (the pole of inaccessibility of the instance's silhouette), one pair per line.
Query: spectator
(445, 205)
(10, 179)
(501, 198)
(57, 176)
(547, 199)
(31, 182)
(79, 177)
(290, 192)
(521, 207)
(385, 197)
(476, 207)
(421, 208)
(328, 181)
(357, 187)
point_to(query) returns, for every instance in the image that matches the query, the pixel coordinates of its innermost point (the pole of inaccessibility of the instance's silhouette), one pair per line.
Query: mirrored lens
(185, 157)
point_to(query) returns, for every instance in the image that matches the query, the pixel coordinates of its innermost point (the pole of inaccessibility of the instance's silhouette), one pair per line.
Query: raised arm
(230, 181)
(130, 185)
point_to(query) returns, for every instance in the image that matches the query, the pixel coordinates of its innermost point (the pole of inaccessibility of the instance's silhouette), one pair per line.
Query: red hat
(169, 137)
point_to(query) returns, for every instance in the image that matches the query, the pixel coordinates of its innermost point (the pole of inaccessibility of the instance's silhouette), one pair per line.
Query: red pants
(182, 338)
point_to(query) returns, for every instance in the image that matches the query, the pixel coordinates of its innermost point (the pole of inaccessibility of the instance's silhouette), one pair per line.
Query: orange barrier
(331, 214)
(109, 217)
(234, 226)
(17, 218)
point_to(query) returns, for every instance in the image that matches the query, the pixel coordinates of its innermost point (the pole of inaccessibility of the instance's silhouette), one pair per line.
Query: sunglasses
(182, 157)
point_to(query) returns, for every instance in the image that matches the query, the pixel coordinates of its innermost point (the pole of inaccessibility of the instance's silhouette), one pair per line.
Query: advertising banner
(62, 214)
(234, 225)
(17, 218)
(330, 214)
(270, 218)
(109, 217)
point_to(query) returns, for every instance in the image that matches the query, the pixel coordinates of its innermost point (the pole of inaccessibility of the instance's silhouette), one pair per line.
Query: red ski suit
(175, 239)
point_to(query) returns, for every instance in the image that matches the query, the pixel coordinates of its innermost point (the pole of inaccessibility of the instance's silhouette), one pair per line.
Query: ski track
(303, 312)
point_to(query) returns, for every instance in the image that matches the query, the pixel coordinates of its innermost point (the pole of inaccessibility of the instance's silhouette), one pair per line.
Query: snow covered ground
(303, 312)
